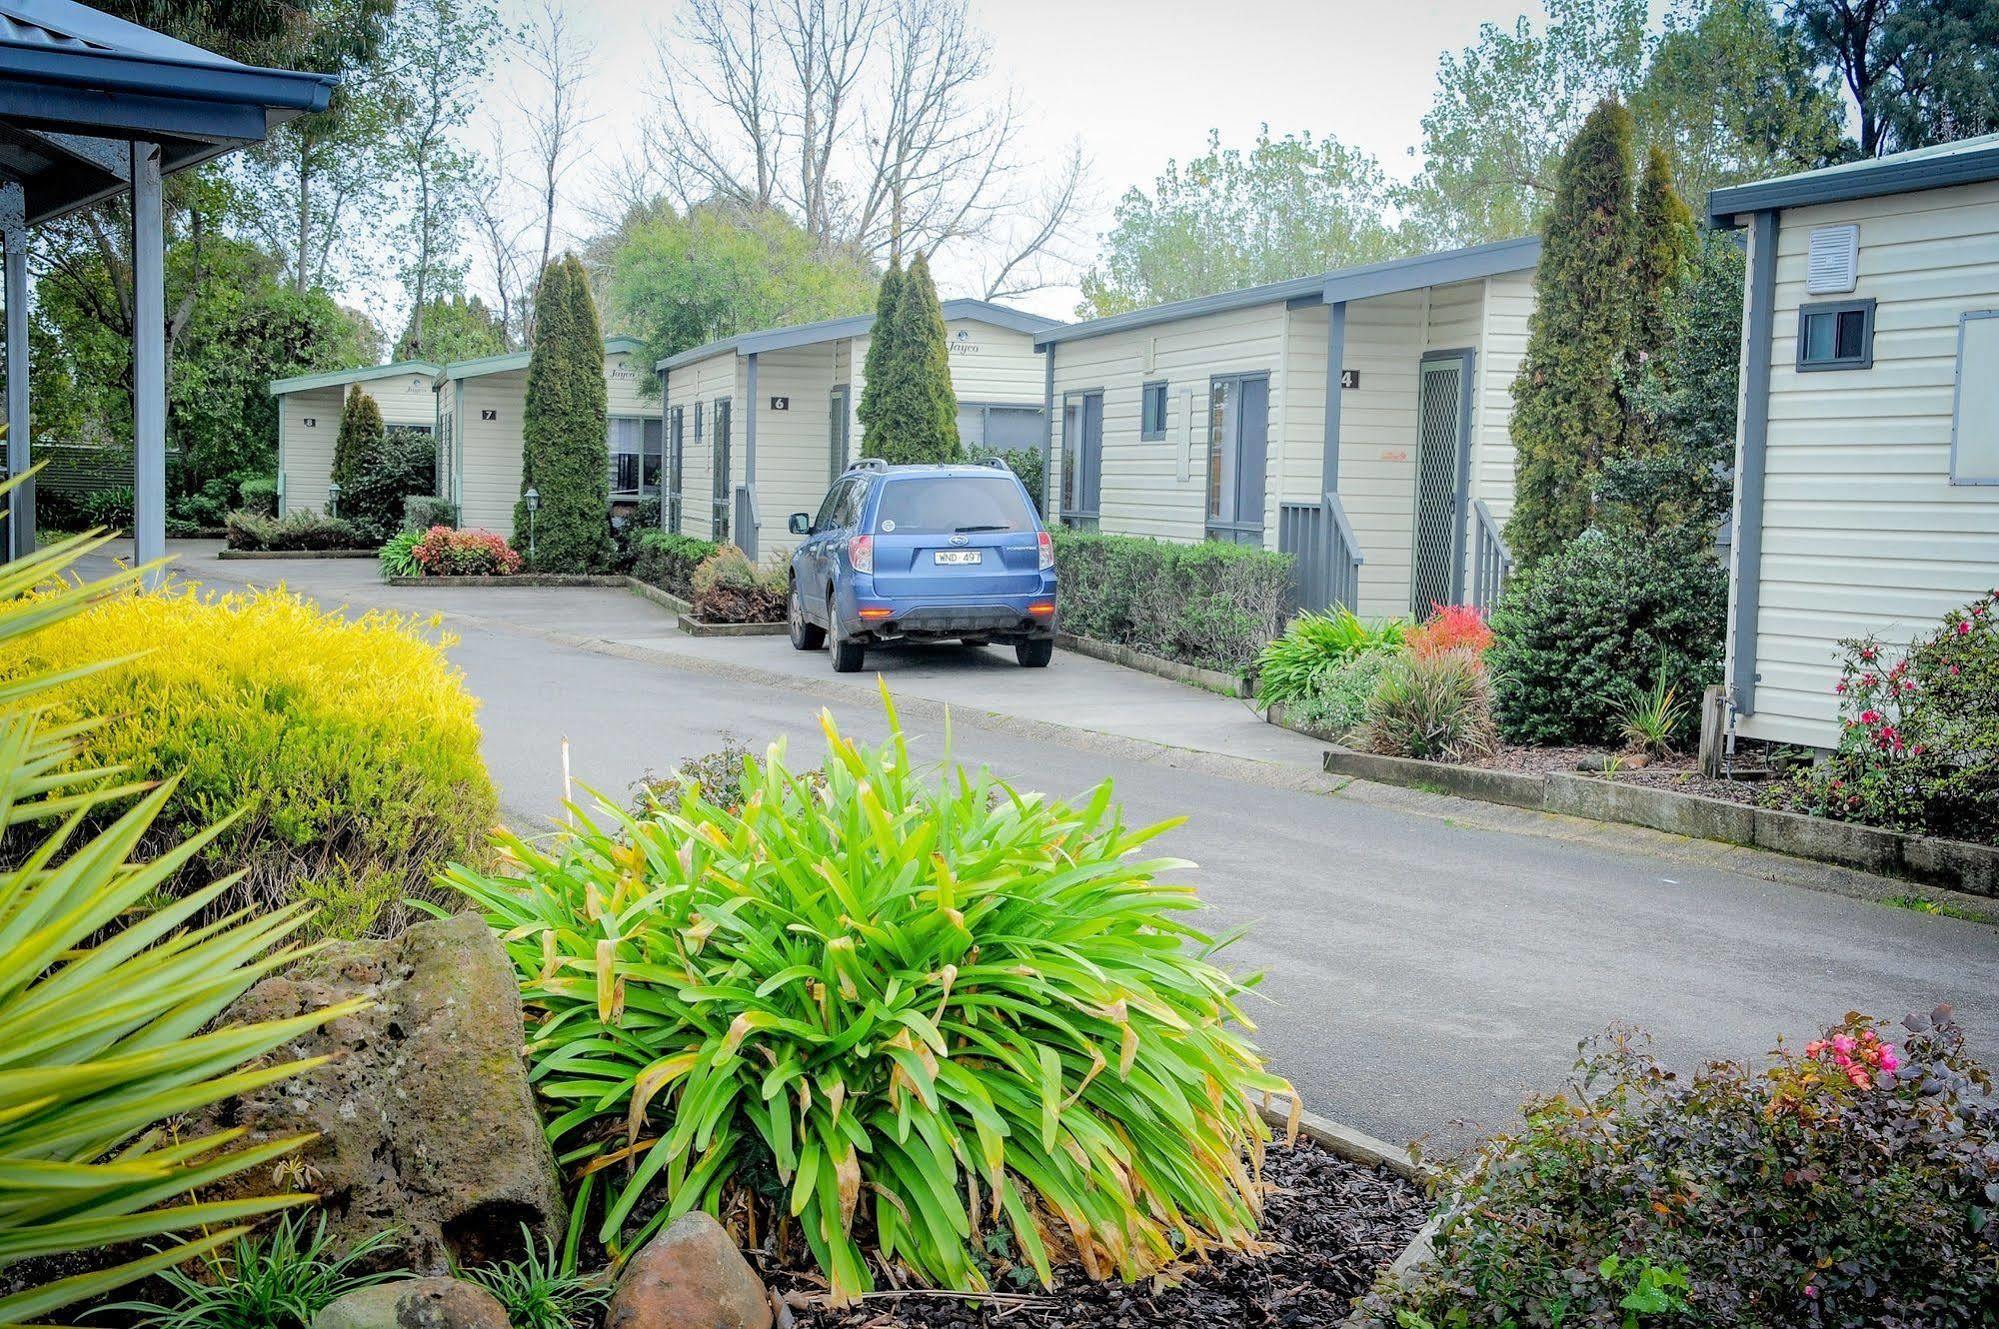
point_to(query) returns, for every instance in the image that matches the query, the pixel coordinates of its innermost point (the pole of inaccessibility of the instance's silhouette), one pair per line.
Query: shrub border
(1951, 864)
(231, 554)
(513, 579)
(1212, 680)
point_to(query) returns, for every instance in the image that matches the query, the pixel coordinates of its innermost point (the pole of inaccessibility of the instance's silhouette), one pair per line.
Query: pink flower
(1964, 628)
(1891, 1060)
(1870, 717)
(1842, 1042)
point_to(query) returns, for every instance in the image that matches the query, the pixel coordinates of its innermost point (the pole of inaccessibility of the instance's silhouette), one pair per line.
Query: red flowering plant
(444, 552)
(1449, 628)
(1919, 737)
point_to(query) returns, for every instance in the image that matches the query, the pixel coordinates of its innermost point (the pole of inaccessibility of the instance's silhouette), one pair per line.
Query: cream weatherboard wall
(794, 445)
(1863, 531)
(990, 366)
(487, 411)
(309, 426)
(695, 389)
(1159, 487)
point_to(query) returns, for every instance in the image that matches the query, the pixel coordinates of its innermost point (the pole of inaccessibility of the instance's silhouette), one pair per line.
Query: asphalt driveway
(1430, 961)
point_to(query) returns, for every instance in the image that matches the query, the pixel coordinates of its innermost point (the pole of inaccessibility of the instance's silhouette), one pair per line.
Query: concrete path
(1429, 960)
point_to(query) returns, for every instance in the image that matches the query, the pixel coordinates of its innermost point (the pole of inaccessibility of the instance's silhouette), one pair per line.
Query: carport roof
(500, 364)
(74, 81)
(1356, 283)
(341, 377)
(857, 325)
(1964, 162)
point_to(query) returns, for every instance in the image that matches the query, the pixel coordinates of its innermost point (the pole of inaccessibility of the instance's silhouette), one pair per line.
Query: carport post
(20, 501)
(1336, 355)
(1047, 423)
(149, 362)
(747, 537)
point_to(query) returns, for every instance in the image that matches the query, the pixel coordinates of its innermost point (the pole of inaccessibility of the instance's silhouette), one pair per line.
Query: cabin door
(1443, 466)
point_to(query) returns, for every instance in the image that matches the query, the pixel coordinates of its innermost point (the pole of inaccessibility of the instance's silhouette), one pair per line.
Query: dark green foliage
(423, 511)
(668, 561)
(728, 588)
(542, 1290)
(913, 416)
(1208, 604)
(301, 528)
(1663, 246)
(402, 465)
(206, 507)
(360, 437)
(280, 1280)
(1919, 746)
(455, 327)
(1688, 404)
(563, 453)
(1797, 1195)
(1025, 463)
(626, 532)
(1569, 404)
(1580, 632)
(881, 347)
(1920, 71)
(259, 496)
(110, 509)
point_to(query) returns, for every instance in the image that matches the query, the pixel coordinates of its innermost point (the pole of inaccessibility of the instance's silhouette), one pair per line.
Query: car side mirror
(801, 523)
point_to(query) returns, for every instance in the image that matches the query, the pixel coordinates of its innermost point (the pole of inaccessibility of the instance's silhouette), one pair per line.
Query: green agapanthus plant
(105, 1004)
(918, 1014)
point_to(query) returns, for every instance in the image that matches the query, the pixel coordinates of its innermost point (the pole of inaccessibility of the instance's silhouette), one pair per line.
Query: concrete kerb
(246, 555)
(695, 627)
(1951, 865)
(1360, 1147)
(1211, 680)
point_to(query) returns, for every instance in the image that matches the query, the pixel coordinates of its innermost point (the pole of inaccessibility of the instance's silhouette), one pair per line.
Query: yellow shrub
(349, 746)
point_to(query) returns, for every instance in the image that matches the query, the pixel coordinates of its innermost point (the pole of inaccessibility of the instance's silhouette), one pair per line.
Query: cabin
(480, 404)
(1867, 444)
(758, 425)
(1356, 419)
(309, 410)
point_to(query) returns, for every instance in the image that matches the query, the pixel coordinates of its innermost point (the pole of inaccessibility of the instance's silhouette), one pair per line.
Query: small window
(1152, 411)
(1974, 426)
(1836, 335)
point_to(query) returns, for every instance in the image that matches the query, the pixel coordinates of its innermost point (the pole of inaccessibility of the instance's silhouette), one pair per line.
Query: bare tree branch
(561, 61)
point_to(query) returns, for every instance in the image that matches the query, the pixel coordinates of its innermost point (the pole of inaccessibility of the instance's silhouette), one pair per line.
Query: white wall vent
(1834, 266)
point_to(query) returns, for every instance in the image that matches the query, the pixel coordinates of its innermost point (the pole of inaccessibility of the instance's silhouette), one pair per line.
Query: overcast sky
(1139, 80)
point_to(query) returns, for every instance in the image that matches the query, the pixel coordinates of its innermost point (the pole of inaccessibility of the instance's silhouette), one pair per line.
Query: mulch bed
(1679, 773)
(1329, 1227)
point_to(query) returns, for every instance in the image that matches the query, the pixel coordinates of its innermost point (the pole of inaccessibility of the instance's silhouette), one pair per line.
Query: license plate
(957, 556)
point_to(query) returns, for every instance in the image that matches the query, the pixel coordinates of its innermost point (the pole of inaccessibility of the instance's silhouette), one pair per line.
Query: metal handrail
(1492, 561)
(1343, 553)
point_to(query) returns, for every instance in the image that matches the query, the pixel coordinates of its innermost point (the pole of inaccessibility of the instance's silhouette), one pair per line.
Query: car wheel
(1034, 654)
(805, 634)
(847, 655)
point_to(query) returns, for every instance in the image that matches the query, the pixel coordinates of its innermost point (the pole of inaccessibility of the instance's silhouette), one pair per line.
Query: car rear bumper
(1006, 618)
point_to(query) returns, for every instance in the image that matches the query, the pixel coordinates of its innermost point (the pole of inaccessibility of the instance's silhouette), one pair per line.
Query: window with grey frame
(719, 490)
(635, 455)
(1974, 421)
(1001, 426)
(1152, 411)
(1835, 334)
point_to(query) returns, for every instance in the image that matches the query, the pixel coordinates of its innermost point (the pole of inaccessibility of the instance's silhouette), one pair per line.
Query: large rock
(419, 1303)
(690, 1276)
(425, 1119)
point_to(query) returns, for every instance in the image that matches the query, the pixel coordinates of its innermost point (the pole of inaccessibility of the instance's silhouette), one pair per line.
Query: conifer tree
(1570, 409)
(916, 409)
(360, 437)
(1664, 248)
(881, 347)
(564, 454)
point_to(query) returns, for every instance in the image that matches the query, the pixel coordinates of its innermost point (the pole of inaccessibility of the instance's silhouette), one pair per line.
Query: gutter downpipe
(1758, 330)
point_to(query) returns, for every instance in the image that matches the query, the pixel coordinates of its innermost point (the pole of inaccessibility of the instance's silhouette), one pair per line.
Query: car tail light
(861, 553)
(1046, 543)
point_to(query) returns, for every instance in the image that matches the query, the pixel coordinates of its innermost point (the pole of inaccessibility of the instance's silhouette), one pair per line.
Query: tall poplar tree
(916, 409)
(881, 348)
(1570, 409)
(564, 454)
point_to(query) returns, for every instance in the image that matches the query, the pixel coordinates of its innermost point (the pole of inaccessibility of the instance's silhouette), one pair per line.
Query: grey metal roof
(511, 360)
(76, 84)
(857, 325)
(1963, 162)
(1355, 283)
(341, 377)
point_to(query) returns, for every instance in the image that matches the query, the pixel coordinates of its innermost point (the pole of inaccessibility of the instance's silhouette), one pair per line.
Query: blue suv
(916, 553)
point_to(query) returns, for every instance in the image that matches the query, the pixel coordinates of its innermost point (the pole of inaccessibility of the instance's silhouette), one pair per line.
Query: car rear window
(940, 504)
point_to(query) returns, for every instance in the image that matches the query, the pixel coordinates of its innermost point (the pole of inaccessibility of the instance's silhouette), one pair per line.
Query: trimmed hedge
(349, 746)
(668, 561)
(423, 511)
(303, 529)
(1209, 604)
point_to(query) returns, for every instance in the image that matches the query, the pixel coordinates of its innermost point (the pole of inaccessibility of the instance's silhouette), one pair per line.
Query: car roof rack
(869, 464)
(996, 463)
